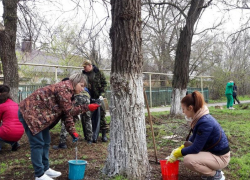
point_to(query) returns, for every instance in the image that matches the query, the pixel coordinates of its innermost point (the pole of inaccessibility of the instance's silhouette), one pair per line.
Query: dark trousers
(235, 98)
(39, 147)
(8, 142)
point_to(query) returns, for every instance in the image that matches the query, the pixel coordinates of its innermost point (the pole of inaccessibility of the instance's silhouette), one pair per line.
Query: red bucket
(169, 171)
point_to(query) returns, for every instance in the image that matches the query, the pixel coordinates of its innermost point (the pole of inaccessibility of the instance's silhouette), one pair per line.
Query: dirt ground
(95, 154)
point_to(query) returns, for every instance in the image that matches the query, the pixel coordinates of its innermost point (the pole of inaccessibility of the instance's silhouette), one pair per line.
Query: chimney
(26, 45)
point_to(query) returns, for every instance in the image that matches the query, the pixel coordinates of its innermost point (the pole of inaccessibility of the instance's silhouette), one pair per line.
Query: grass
(224, 99)
(236, 124)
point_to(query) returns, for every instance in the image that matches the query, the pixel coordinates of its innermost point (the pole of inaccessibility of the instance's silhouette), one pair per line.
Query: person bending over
(45, 107)
(11, 130)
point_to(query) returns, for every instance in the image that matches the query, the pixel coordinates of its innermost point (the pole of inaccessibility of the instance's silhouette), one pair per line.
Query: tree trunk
(7, 47)
(128, 148)
(181, 67)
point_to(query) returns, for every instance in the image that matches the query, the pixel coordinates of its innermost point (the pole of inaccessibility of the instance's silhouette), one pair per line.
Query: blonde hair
(77, 78)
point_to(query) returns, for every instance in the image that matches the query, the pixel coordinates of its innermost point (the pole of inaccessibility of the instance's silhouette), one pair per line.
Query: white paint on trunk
(127, 148)
(177, 95)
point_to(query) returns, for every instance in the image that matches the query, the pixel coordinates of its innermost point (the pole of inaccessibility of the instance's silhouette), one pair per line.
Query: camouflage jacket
(46, 105)
(96, 82)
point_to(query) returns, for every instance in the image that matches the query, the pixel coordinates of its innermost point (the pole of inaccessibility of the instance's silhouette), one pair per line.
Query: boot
(15, 146)
(60, 146)
(104, 137)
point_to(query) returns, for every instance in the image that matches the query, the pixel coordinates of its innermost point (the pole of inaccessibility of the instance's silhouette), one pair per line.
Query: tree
(7, 46)
(181, 67)
(128, 147)
(160, 35)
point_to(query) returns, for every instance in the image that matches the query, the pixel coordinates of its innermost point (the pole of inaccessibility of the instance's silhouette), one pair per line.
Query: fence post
(202, 87)
(56, 74)
(150, 91)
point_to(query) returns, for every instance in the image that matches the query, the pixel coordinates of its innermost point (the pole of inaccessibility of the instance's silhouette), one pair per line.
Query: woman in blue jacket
(207, 150)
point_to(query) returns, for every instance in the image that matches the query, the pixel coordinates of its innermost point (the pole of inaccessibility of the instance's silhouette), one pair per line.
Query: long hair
(77, 78)
(4, 93)
(195, 99)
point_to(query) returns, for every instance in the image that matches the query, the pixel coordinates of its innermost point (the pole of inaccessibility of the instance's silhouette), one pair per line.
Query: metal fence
(34, 76)
(161, 96)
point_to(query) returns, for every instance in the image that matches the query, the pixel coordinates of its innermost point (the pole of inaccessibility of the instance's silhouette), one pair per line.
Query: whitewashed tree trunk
(177, 95)
(181, 67)
(128, 147)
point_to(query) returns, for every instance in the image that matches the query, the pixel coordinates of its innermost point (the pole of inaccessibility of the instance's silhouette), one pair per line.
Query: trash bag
(96, 118)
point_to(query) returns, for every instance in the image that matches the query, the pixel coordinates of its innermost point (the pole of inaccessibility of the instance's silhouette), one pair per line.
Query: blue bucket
(76, 169)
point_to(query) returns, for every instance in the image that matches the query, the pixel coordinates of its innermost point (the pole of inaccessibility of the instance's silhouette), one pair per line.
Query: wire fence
(157, 85)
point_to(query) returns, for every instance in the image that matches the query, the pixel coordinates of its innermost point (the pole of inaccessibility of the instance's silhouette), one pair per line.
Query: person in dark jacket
(11, 130)
(207, 150)
(44, 108)
(96, 84)
(235, 94)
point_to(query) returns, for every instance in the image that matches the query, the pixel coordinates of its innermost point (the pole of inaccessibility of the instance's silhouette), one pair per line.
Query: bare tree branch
(206, 5)
(168, 3)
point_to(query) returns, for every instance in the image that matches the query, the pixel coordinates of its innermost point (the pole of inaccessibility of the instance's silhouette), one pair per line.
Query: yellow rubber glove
(177, 152)
(171, 158)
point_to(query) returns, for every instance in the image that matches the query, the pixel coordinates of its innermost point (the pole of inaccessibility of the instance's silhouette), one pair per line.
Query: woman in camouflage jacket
(45, 107)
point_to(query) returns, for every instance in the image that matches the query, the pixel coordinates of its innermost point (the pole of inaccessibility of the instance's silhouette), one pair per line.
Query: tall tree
(7, 46)
(127, 148)
(181, 67)
(160, 35)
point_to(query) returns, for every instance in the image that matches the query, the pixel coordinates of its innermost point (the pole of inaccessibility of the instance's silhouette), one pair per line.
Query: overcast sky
(66, 10)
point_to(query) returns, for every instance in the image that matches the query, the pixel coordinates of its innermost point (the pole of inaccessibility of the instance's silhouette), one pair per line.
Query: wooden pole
(150, 90)
(151, 124)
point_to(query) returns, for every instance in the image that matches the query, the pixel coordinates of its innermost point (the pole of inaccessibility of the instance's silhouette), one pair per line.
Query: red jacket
(11, 128)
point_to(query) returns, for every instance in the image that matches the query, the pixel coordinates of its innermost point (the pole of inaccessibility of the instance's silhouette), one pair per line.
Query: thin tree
(181, 67)
(128, 148)
(7, 46)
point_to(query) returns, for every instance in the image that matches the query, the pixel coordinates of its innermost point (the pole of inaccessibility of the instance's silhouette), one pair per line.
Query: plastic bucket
(169, 171)
(76, 169)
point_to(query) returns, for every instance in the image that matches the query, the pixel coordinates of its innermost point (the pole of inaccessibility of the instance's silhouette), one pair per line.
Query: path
(160, 109)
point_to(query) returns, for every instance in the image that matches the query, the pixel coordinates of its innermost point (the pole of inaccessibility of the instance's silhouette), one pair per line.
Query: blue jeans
(39, 147)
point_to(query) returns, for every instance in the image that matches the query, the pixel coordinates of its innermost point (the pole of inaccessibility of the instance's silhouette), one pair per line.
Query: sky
(232, 19)
(65, 11)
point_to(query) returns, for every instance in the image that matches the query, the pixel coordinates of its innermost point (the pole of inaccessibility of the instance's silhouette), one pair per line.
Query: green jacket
(96, 82)
(229, 88)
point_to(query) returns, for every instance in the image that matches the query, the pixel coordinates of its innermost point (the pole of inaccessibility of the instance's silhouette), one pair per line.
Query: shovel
(151, 126)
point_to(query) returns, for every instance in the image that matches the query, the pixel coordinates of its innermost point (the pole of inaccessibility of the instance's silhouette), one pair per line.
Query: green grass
(224, 99)
(3, 167)
(236, 124)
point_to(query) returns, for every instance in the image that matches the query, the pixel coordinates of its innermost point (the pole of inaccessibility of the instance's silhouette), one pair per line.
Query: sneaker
(15, 146)
(231, 108)
(52, 173)
(60, 146)
(218, 176)
(44, 177)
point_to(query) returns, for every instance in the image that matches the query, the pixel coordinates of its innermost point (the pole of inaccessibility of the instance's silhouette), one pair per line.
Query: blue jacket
(205, 134)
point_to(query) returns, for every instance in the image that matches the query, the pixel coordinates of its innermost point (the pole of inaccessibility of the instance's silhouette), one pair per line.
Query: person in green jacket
(229, 94)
